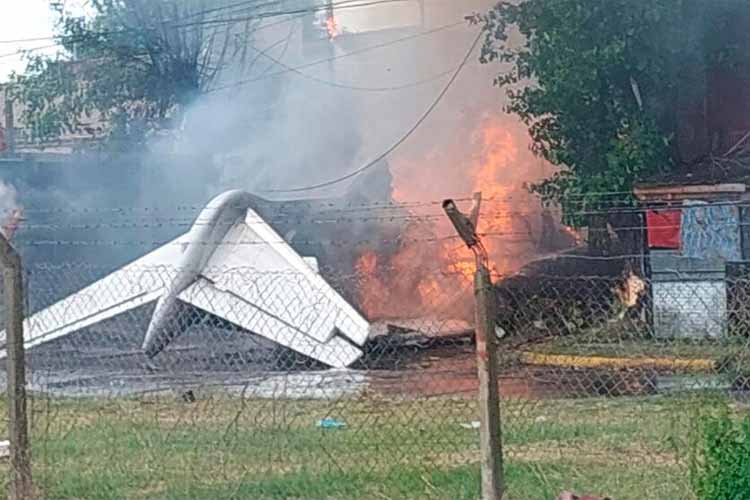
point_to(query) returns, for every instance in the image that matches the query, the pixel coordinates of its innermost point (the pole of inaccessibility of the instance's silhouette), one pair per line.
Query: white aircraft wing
(251, 278)
(257, 281)
(255, 263)
(232, 307)
(134, 285)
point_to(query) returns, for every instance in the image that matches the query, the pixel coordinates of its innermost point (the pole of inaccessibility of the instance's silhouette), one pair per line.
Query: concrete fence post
(20, 487)
(490, 429)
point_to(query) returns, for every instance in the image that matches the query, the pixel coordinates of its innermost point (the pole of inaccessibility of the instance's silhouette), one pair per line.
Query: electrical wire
(354, 87)
(399, 142)
(344, 4)
(25, 51)
(287, 69)
(128, 30)
(317, 62)
(296, 69)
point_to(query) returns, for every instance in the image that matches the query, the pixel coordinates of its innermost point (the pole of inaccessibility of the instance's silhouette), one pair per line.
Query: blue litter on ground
(331, 423)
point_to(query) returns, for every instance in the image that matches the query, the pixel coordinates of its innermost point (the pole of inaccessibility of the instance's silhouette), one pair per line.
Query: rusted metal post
(20, 487)
(490, 428)
(10, 127)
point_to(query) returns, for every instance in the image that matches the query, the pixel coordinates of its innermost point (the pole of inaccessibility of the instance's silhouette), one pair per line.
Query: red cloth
(663, 228)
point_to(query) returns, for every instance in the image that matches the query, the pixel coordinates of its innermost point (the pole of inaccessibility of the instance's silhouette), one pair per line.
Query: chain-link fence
(602, 378)
(242, 402)
(615, 374)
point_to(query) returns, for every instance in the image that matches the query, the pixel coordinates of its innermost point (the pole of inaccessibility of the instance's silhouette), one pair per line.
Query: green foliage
(720, 467)
(600, 84)
(130, 69)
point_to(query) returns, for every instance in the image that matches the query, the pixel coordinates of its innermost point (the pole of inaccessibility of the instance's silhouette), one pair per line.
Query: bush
(720, 467)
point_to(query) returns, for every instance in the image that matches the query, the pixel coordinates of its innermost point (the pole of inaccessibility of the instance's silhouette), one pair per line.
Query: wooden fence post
(490, 429)
(20, 487)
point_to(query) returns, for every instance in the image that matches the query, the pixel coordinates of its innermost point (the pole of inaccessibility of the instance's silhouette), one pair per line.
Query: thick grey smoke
(273, 128)
(265, 127)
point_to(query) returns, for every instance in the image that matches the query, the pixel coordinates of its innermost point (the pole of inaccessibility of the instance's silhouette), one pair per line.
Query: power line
(84, 59)
(127, 30)
(24, 51)
(116, 32)
(334, 58)
(247, 4)
(296, 69)
(344, 4)
(352, 87)
(398, 143)
(26, 40)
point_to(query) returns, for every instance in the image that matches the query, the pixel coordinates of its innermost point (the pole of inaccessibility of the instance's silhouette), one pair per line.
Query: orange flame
(434, 278)
(376, 296)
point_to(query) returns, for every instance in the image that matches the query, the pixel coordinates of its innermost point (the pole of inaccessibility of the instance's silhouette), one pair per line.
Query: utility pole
(10, 128)
(485, 311)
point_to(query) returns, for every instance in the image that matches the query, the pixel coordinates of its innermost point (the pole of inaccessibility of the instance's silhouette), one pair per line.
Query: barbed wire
(299, 218)
(329, 205)
(311, 242)
(305, 210)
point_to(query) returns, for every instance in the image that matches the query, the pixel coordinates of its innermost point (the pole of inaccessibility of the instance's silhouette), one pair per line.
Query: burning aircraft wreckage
(235, 294)
(233, 267)
(270, 304)
(215, 267)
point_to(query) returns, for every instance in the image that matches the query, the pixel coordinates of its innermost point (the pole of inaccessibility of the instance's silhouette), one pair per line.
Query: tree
(602, 86)
(133, 66)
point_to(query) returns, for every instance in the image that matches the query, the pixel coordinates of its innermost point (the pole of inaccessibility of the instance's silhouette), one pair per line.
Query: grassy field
(717, 352)
(223, 447)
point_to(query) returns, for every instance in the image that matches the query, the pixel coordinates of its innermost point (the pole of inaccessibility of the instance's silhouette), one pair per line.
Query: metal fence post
(20, 487)
(490, 431)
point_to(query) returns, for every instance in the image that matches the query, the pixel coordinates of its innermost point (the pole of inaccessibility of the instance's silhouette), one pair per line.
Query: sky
(23, 19)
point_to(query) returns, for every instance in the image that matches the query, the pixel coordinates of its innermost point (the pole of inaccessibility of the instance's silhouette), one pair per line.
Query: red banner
(663, 228)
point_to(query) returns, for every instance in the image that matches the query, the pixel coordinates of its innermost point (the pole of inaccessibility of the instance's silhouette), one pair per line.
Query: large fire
(431, 272)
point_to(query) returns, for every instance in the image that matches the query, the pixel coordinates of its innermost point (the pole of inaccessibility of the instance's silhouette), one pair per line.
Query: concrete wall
(690, 309)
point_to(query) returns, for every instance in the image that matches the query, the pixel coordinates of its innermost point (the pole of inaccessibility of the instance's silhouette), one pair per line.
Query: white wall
(695, 309)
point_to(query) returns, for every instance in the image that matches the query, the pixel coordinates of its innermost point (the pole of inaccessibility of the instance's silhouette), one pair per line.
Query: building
(698, 239)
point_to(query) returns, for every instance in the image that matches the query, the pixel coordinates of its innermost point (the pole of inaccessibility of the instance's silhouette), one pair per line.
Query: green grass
(221, 447)
(632, 348)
